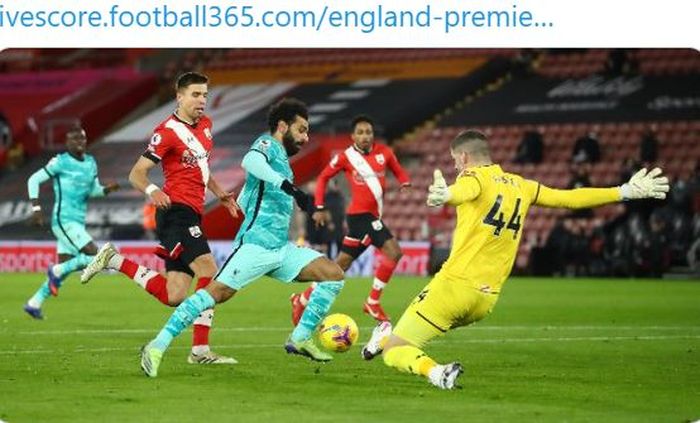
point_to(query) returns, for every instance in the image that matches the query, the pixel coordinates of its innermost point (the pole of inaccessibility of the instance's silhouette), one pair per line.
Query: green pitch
(553, 350)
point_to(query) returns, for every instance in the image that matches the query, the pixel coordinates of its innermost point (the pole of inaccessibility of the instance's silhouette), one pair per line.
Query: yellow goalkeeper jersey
(491, 209)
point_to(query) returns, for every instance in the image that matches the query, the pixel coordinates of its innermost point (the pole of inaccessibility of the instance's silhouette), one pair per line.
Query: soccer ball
(338, 332)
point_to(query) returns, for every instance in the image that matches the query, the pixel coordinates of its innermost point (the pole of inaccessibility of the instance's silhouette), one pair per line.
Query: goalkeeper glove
(645, 185)
(438, 192)
(303, 200)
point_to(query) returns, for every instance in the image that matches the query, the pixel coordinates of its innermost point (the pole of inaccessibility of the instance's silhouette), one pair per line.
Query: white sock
(115, 262)
(378, 284)
(200, 349)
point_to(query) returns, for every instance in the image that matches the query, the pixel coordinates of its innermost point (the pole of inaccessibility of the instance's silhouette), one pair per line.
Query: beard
(290, 145)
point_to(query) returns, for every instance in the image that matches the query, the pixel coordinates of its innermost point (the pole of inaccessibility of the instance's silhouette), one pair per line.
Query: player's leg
(153, 282)
(391, 254)
(246, 263)
(74, 248)
(299, 301)
(172, 228)
(204, 266)
(441, 306)
(33, 306)
(75, 241)
(303, 265)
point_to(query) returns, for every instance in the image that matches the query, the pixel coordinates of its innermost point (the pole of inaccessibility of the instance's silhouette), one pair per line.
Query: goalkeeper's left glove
(438, 192)
(645, 185)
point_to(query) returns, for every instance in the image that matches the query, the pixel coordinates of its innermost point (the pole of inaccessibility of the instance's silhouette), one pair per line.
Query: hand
(230, 204)
(438, 193)
(303, 200)
(645, 185)
(160, 199)
(320, 217)
(111, 187)
(37, 218)
(405, 188)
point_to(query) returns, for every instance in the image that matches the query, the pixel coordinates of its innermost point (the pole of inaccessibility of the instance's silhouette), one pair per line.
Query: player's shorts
(248, 262)
(180, 224)
(443, 305)
(364, 230)
(71, 236)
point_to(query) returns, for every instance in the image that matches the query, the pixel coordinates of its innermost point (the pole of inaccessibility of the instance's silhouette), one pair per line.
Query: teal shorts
(248, 262)
(71, 236)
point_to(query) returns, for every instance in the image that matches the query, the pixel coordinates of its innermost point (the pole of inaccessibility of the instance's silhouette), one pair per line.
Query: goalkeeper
(491, 209)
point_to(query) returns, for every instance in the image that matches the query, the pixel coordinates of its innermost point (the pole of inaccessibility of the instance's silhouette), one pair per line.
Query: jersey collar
(179, 119)
(362, 152)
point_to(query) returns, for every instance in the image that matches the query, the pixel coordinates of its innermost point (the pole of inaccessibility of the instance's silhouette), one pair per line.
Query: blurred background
(567, 118)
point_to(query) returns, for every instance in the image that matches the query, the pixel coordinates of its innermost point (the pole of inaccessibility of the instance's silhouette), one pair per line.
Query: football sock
(381, 279)
(153, 282)
(319, 303)
(304, 298)
(40, 295)
(76, 263)
(410, 359)
(183, 316)
(202, 325)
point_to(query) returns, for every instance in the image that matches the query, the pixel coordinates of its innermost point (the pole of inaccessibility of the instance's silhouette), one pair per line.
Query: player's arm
(641, 185)
(33, 183)
(138, 177)
(225, 197)
(320, 215)
(99, 190)
(399, 171)
(466, 188)
(255, 162)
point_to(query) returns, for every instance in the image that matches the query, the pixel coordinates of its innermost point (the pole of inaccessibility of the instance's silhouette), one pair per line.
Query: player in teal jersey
(75, 180)
(262, 245)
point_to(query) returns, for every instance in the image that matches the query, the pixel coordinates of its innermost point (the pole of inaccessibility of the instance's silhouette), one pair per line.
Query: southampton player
(491, 208)
(262, 245)
(75, 180)
(364, 163)
(182, 143)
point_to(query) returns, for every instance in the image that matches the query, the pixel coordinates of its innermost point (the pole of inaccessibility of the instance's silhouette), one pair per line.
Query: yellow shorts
(443, 305)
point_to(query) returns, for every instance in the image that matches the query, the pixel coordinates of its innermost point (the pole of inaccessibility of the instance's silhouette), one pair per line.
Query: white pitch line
(289, 328)
(458, 341)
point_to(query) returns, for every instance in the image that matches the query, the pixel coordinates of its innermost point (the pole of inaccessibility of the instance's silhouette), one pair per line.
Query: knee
(204, 266)
(334, 273)
(396, 256)
(176, 298)
(220, 292)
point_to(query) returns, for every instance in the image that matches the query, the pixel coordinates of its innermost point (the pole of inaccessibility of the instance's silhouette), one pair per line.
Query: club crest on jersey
(195, 231)
(207, 133)
(156, 139)
(380, 158)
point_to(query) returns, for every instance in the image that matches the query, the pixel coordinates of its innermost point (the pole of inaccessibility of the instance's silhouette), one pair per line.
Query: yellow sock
(408, 358)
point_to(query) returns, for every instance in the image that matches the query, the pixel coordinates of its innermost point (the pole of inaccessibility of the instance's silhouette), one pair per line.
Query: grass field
(553, 350)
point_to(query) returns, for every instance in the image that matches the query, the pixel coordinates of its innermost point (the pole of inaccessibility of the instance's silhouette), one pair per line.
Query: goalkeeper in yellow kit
(491, 209)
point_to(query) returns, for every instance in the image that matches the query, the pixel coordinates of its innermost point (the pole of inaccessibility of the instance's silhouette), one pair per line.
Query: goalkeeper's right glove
(645, 185)
(438, 192)
(303, 200)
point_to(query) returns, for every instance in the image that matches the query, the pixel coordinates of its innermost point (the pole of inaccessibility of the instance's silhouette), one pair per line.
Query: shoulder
(383, 149)
(266, 145)
(205, 121)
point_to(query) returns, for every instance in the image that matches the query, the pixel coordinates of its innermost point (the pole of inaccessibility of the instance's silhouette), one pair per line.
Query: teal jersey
(74, 181)
(268, 210)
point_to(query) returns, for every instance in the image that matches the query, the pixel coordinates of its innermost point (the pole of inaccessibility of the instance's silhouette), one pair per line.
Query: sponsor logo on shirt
(195, 231)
